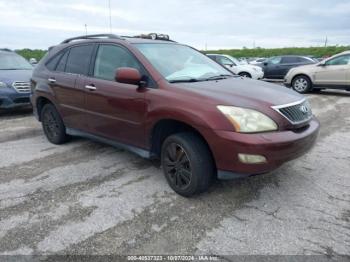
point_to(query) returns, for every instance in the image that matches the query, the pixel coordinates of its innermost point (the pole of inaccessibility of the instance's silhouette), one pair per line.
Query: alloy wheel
(300, 84)
(177, 166)
(51, 124)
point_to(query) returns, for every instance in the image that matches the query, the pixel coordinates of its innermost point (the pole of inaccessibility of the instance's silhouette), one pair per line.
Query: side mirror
(128, 75)
(322, 64)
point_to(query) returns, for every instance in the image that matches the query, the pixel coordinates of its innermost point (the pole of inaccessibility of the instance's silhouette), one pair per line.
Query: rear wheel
(301, 84)
(245, 74)
(53, 126)
(187, 164)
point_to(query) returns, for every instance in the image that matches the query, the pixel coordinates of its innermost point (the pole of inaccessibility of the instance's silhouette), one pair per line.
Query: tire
(245, 74)
(187, 164)
(53, 126)
(301, 84)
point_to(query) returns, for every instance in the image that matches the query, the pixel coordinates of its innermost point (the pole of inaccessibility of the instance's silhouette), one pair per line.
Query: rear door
(272, 67)
(286, 64)
(335, 72)
(71, 98)
(115, 111)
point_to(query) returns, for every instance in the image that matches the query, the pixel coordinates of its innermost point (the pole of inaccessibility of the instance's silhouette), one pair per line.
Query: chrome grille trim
(21, 87)
(293, 113)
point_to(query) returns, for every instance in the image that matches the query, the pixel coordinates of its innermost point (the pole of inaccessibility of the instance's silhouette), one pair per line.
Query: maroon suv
(161, 99)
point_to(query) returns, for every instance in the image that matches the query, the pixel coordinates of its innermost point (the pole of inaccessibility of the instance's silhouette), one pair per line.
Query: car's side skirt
(138, 151)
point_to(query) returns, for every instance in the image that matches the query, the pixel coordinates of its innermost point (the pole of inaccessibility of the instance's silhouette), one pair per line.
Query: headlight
(2, 84)
(248, 120)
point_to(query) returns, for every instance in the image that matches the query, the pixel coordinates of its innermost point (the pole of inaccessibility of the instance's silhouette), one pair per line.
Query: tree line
(245, 52)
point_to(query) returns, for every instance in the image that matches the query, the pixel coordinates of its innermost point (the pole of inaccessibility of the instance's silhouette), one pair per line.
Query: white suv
(333, 73)
(237, 67)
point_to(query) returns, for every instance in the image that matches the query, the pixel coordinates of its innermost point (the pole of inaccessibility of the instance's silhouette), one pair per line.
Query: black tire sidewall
(244, 74)
(62, 136)
(201, 163)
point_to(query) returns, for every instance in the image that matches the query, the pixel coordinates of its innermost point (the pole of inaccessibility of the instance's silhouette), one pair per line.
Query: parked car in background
(334, 72)
(162, 99)
(15, 73)
(278, 66)
(237, 67)
(257, 61)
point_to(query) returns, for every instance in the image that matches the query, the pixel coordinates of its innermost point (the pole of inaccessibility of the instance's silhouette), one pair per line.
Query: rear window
(78, 61)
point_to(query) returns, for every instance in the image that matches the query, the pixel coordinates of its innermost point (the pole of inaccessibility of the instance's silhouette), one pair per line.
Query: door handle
(51, 80)
(91, 87)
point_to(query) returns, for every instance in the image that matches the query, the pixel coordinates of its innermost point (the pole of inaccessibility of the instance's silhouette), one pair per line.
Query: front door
(115, 110)
(334, 72)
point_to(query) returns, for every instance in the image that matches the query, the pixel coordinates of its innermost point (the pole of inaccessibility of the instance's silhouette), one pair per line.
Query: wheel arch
(305, 75)
(164, 128)
(40, 102)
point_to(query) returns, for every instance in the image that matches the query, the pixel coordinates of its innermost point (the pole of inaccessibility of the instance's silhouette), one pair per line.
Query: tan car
(333, 73)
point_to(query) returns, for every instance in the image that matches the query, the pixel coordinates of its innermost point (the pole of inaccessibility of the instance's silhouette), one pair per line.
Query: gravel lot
(88, 198)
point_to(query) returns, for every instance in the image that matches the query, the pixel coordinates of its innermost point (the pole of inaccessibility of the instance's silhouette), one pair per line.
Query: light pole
(110, 16)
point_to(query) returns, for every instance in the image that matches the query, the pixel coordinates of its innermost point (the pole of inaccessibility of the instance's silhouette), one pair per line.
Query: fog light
(251, 159)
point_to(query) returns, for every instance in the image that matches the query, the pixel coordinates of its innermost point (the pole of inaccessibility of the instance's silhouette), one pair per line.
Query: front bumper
(13, 100)
(276, 147)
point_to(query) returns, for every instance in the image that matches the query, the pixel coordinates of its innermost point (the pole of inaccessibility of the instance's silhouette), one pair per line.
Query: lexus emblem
(304, 109)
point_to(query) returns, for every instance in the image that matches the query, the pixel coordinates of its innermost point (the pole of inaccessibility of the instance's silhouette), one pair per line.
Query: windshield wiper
(218, 77)
(184, 80)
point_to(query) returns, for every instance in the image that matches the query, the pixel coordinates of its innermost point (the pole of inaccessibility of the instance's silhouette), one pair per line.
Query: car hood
(241, 92)
(10, 76)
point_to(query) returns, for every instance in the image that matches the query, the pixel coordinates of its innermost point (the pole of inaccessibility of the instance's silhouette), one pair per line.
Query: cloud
(200, 23)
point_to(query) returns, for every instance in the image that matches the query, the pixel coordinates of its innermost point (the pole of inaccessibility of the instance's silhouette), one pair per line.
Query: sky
(211, 24)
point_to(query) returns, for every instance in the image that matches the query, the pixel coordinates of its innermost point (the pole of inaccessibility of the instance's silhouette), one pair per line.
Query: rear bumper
(276, 147)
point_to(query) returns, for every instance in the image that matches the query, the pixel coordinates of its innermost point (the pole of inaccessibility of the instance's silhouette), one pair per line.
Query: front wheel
(301, 84)
(187, 164)
(53, 126)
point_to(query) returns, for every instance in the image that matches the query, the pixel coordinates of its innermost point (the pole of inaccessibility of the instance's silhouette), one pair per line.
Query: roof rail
(108, 36)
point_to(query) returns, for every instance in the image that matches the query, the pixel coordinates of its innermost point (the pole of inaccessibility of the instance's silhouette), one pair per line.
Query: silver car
(333, 73)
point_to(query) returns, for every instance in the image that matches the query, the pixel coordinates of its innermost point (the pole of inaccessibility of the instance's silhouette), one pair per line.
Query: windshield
(12, 61)
(181, 63)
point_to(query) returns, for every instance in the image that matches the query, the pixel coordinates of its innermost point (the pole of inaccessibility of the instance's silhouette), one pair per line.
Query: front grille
(21, 87)
(296, 113)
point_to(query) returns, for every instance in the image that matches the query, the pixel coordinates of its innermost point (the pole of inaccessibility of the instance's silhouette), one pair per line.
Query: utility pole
(325, 42)
(86, 29)
(110, 16)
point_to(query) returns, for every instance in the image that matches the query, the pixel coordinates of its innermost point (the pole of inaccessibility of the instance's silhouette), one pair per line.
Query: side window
(304, 60)
(275, 60)
(289, 60)
(224, 60)
(78, 61)
(340, 60)
(62, 63)
(51, 65)
(111, 57)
